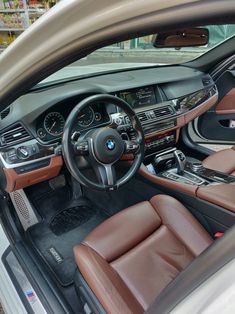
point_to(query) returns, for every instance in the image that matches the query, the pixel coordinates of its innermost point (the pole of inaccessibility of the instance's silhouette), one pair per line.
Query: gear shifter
(180, 159)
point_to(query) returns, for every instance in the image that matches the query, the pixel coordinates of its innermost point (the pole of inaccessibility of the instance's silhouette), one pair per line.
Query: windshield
(139, 52)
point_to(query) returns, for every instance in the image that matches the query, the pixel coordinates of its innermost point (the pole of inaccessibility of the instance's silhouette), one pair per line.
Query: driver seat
(131, 257)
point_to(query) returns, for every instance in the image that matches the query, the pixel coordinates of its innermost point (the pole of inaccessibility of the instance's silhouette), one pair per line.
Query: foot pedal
(58, 182)
(23, 209)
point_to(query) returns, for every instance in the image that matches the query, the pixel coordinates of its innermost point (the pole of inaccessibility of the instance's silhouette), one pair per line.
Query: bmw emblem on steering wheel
(110, 144)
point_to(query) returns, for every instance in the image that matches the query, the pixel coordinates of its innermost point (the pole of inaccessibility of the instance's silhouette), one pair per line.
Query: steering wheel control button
(131, 147)
(75, 136)
(23, 152)
(82, 147)
(110, 144)
(118, 120)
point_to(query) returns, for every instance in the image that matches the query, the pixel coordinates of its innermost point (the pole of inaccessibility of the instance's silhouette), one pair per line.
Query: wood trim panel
(199, 110)
(184, 119)
(15, 181)
(227, 103)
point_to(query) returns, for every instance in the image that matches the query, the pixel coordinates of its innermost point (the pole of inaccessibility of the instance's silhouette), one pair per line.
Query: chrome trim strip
(10, 166)
(12, 130)
(161, 153)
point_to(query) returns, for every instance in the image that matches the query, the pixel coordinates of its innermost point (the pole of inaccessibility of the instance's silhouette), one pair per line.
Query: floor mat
(47, 201)
(57, 250)
(70, 218)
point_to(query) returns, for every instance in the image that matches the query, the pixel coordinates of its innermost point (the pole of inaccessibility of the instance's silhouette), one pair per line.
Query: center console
(173, 165)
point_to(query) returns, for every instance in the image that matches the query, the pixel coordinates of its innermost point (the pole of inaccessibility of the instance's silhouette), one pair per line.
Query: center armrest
(221, 194)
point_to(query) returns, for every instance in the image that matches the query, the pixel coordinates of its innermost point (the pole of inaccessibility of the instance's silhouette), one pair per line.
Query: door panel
(227, 104)
(216, 125)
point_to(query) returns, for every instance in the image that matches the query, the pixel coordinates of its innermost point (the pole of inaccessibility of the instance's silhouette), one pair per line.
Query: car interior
(107, 185)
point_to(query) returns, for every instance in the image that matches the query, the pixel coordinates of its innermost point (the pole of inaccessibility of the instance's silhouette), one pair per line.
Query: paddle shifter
(180, 161)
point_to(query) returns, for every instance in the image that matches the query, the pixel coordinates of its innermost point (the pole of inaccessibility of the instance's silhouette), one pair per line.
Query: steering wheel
(102, 147)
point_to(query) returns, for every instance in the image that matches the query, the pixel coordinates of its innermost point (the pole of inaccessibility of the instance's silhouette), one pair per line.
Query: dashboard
(164, 99)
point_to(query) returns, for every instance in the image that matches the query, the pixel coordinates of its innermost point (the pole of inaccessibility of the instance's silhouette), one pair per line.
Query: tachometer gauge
(54, 123)
(86, 117)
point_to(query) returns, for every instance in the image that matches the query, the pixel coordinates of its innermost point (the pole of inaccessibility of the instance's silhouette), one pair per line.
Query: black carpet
(65, 223)
(57, 250)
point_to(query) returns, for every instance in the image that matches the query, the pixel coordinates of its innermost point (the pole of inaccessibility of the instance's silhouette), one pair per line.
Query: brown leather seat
(131, 257)
(223, 161)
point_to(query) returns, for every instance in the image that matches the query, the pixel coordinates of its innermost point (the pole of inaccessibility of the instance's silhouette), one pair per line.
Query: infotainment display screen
(144, 96)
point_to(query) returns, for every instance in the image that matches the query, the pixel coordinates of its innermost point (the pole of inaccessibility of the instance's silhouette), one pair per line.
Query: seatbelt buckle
(218, 234)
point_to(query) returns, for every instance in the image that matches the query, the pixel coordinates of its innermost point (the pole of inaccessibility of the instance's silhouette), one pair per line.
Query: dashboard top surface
(31, 105)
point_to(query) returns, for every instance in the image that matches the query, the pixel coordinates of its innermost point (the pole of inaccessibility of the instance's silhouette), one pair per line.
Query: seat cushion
(223, 161)
(131, 257)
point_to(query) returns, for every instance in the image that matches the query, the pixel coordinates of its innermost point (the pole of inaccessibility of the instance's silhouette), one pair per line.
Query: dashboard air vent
(163, 112)
(142, 116)
(15, 134)
(5, 113)
(156, 114)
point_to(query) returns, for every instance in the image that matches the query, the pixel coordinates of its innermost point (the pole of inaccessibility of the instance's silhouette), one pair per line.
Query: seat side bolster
(182, 223)
(105, 283)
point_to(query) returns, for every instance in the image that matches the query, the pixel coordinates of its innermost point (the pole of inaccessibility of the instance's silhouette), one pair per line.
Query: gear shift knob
(180, 159)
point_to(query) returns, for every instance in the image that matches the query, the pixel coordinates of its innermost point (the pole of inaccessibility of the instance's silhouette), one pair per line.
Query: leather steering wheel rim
(68, 147)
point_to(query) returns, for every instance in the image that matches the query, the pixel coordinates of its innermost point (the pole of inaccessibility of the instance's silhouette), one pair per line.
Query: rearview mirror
(184, 37)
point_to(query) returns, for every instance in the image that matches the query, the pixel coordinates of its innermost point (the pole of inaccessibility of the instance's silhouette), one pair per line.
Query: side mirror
(184, 37)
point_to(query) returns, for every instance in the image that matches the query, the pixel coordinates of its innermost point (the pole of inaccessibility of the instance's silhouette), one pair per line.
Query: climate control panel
(160, 141)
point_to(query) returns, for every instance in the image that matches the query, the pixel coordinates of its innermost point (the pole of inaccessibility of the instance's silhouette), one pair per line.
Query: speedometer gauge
(86, 117)
(54, 123)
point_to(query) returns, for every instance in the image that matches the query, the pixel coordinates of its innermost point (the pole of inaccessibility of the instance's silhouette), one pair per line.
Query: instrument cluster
(51, 124)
